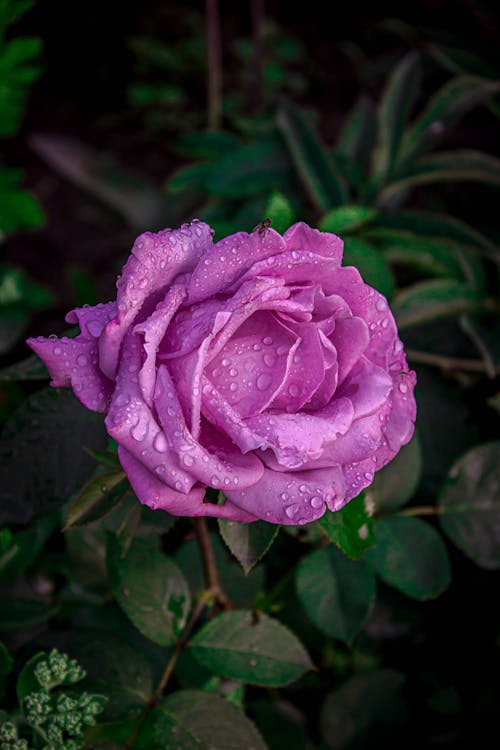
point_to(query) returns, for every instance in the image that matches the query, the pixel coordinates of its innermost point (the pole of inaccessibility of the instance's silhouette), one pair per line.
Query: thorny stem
(209, 565)
(179, 647)
(214, 68)
(446, 363)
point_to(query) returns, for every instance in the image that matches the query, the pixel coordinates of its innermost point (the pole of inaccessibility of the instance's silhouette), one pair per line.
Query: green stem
(209, 565)
(214, 67)
(420, 510)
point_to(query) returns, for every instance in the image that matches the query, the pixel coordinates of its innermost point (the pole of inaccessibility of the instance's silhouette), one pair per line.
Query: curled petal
(300, 236)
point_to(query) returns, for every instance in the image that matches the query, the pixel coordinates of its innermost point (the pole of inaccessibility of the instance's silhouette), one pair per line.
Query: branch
(209, 565)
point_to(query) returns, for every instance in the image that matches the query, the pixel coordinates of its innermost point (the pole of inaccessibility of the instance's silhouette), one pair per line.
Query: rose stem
(445, 363)
(214, 75)
(257, 11)
(209, 565)
(179, 647)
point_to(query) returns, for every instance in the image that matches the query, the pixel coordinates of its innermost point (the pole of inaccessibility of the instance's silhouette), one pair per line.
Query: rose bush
(256, 365)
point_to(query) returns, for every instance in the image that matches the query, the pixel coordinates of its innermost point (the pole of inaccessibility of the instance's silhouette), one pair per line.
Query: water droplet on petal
(214, 479)
(94, 328)
(285, 496)
(188, 459)
(81, 360)
(140, 430)
(294, 390)
(267, 340)
(263, 381)
(291, 510)
(317, 502)
(269, 359)
(380, 304)
(160, 443)
(403, 387)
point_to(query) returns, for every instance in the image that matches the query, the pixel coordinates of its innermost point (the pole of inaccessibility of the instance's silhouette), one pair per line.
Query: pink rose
(256, 365)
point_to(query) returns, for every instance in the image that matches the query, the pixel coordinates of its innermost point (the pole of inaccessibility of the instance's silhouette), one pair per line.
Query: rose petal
(305, 371)
(92, 319)
(350, 338)
(153, 493)
(367, 387)
(229, 259)
(291, 499)
(300, 236)
(155, 262)
(73, 362)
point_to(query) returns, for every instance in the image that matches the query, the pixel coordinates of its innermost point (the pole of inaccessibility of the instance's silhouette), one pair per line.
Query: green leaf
(445, 166)
(6, 664)
(43, 458)
(312, 161)
(397, 482)
(31, 368)
(371, 265)
(362, 710)
(280, 212)
(397, 100)
(259, 167)
(252, 647)
(350, 528)
(209, 144)
(248, 542)
(337, 593)
(27, 682)
(431, 300)
(97, 499)
(150, 589)
(358, 135)
(346, 219)
(196, 720)
(191, 178)
(26, 545)
(444, 111)
(410, 556)
(242, 590)
(16, 288)
(18, 209)
(469, 505)
(281, 726)
(433, 255)
(114, 668)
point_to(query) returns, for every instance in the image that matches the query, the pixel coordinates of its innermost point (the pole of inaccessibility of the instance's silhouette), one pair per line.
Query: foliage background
(98, 110)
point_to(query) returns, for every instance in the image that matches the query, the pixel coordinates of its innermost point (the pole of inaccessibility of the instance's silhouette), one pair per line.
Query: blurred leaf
(312, 161)
(107, 458)
(252, 647)
(83, 285)
(149, 588)
(362, 710)
(12, 11)
(137, 201)
(397, 482)
(97, 499)
(194, 177)
(43, 461)
(241, 590)
(258, 167)
(469, 505)
(337, 593)
(196, 720)
(398, 98)
(16, 288)
(209, 144)
(444, 111)
(410, 556)
(25, 546)
(370, 264)
(281, 727)
(6, 664)
(248, 542)
(27, 682)
(280, 212)
(430, 300)
(350, 528)
(31, 368)
(346, 219)
(19, 68)
(458, 60)
(114, 668)
(12, 328)
(445, 166)
(358, 135)
(21, 614)
(18, 209)
(434, 255)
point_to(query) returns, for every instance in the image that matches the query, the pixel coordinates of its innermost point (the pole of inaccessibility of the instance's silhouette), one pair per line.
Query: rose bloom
(256, 365)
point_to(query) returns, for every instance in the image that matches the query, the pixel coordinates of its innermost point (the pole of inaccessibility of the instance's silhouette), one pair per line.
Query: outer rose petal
(291, 499)
(152, 492)
(155, 262)
(300, 236)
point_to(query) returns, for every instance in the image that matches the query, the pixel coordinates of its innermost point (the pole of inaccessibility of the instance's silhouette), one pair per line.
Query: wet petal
(367, 387)
(300, 236)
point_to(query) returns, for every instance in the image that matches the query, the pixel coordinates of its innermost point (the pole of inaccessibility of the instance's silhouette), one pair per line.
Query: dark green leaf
(248, 542)
(469, 505)
(210, 144)
(251, 647)
(444, 110)
(281, 725)
(18, 210)
(6, 664)
(431, 300)
(410, 556)
(150, 589)
(396, 483)
(31, 368)
(363, 710)
(358, 135)
(27, 682)
(26, 545)
(242, 590)
(107, 458)
(337, 593)
(97, 499)
(434, 255)
(16, 288)
(196, 720)
(312, 161)
(12, 328)
(280, 212)
(347, 219)
(445, 166)
(397, 100)
(194, 177)
(371, 265)
(350, 528)
(43, 458)
(458, 60)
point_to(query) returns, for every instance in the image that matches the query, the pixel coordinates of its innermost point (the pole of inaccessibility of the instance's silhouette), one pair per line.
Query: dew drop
(294, 390)
(263, 381)
(385, 322)
(403, 387)
(233, 387)
(267, 340)
(57, 350)
(285, 496)
(256, 347)
(316, 501)
(291, 510)
(225, 363)
(188, 459)
(81, 360)
(380, 304)
(140, 430)
(178, 485)
(233, 372)
(94, 328)
(303, 488)
(269, 359)
(214, 479)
